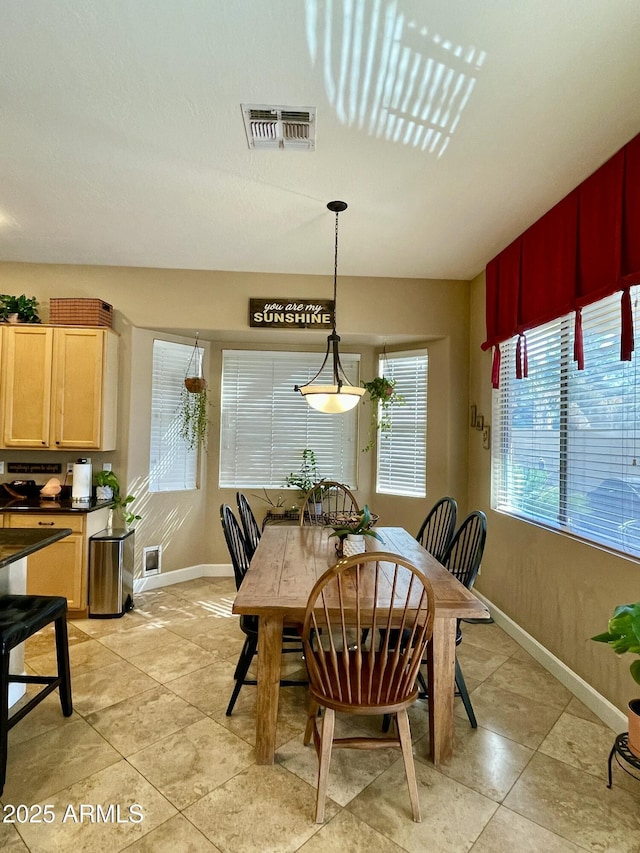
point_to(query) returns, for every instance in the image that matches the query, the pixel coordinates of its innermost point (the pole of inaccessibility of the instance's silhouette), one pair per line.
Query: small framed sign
(290, 313)
(34, 467)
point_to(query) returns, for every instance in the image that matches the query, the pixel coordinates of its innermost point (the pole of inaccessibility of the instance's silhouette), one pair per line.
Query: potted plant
(623, 636)
(194, 414)
(306, 477)
(352, 532)
(109, 486)
(277, 508)
(19, 309)
(382, 396)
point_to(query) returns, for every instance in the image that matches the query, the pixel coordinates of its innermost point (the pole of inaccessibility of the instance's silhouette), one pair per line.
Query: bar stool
(21, 616)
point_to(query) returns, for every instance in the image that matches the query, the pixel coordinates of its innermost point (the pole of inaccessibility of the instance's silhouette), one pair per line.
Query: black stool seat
(21, 616)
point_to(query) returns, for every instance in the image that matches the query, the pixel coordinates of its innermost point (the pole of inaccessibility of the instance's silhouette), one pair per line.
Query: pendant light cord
(335, 278)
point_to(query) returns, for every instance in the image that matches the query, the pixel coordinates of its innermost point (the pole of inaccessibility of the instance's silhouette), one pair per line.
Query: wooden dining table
(286, 565)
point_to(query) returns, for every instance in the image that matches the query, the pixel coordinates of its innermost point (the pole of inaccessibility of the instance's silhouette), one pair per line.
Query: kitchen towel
(81, 488)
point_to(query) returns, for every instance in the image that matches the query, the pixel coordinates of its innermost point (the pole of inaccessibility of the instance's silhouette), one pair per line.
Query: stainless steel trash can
(111, 573)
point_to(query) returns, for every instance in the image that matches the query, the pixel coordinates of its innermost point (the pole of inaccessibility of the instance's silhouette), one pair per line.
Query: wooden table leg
(269, 659)
(441, 663)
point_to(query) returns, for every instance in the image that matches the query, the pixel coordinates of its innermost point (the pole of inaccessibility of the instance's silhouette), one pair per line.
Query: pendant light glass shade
(341, 395)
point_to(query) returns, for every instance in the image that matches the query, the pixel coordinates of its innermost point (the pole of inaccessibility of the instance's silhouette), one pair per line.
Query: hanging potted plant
(382, 395)
(194, 402)
(623, 636)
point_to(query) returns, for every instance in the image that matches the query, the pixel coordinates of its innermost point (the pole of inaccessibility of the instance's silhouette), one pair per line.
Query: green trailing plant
(360, 523)
(306, 477)
(382, 396)
(623, 634)
(120, 502)
(194, 416)
(26, 307)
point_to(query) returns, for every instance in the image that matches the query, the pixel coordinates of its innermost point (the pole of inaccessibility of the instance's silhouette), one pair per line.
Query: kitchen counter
(15, 544)
(36, 504)
(15, 547)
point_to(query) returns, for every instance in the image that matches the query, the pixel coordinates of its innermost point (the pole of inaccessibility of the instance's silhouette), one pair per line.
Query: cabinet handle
(46, 523)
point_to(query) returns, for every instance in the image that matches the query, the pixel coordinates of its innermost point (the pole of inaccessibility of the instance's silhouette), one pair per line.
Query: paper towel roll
(81, 488)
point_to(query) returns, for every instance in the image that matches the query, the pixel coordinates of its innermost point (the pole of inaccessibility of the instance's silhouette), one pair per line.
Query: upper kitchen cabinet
(59, 387)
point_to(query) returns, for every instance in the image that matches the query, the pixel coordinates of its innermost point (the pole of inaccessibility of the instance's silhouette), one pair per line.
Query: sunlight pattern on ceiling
(389, 75)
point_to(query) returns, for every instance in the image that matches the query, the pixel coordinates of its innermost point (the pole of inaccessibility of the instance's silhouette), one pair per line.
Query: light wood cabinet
(61, 568)
(59, 387)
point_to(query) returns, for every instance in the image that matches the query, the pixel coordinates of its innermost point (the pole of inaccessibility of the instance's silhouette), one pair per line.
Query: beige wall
(371, 313)
(560, 590)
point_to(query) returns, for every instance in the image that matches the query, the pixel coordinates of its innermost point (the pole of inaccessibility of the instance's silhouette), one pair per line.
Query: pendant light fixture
(340, 396)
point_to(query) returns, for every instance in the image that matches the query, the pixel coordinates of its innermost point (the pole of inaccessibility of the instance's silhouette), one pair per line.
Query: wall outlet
(151, 560)
(1, 467)
(106, 466)
(69, 467)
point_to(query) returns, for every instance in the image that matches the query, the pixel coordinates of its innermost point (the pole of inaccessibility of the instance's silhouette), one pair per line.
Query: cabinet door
(77, 388)
(57, 570)
(26, 386)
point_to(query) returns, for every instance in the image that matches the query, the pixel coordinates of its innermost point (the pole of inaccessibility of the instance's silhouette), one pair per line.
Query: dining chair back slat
(249, 525)
(338, 502)
(437, 529)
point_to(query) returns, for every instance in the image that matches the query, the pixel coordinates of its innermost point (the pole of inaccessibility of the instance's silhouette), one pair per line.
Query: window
(173, 466)
(266, 425)
(566, 442)
(402, 449)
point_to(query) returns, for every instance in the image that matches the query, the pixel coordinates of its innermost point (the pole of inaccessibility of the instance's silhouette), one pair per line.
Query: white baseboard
(601, 707)
(179, 575)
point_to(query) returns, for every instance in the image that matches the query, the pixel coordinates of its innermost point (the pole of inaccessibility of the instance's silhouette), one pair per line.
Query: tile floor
(149, 728)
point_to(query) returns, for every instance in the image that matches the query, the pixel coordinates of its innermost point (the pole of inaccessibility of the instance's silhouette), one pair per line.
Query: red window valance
(583, 249)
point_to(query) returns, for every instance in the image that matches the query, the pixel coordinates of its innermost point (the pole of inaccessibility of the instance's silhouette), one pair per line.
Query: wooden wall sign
(34, 467)
(291, 313)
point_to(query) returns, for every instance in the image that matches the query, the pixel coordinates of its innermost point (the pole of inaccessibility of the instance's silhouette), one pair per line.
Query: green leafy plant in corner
(624, 634)
(382, 395)
(26, 307)
(194, 417)
(121, 503)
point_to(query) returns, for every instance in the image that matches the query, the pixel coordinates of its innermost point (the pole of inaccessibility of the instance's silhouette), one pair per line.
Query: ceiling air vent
(280, 127)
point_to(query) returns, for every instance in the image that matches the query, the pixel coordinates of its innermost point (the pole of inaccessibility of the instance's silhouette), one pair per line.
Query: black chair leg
(244, 662)
(64, 670)
(4, 717)
(464, 695)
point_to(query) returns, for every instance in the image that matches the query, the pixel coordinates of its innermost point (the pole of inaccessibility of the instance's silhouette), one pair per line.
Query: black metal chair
(437, 529)
(249, 624)
(249, 525)
(327, 501)
(22, 616)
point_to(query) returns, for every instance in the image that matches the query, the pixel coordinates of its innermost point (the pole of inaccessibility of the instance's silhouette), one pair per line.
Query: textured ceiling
(448, 127)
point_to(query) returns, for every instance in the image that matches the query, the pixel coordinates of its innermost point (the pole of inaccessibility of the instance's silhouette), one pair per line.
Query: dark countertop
(36, 504)
(16, 543)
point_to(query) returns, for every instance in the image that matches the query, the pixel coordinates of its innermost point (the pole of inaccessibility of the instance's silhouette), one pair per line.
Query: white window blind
(402, 450)
(567, 442)
(266, 424)
(173, 466)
